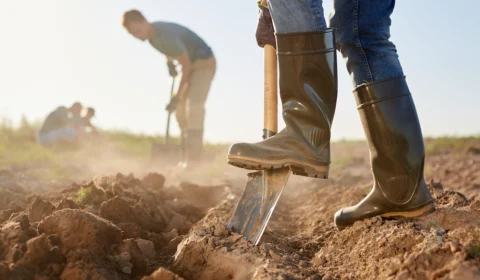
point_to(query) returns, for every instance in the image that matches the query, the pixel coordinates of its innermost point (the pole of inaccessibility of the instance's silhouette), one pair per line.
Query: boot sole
(412, 214)
(425, 210)
(298, 168)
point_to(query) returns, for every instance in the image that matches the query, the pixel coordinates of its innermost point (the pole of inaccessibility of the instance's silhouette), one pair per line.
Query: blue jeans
(362, 33)
(66, 134)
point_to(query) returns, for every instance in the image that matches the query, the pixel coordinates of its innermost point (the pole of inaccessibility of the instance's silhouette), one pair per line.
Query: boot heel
(308, 171)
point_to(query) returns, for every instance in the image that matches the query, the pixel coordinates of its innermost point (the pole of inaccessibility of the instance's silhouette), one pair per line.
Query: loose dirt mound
(302, 244)
(116, 227)
(301, 241)
(121, 227)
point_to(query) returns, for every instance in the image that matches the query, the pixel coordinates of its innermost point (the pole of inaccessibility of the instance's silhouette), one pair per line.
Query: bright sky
(55, 52)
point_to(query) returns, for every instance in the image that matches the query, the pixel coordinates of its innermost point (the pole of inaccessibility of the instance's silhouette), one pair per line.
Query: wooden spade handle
(270, 122)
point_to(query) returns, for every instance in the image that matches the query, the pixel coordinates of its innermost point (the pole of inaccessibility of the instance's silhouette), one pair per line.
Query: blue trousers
(362, 33)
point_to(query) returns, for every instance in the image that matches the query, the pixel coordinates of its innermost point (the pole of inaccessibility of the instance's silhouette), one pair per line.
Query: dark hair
(132, 16)
(91, 111)
(76, 106)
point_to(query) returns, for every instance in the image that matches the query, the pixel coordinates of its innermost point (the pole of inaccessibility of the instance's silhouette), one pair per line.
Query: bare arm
(184, 60)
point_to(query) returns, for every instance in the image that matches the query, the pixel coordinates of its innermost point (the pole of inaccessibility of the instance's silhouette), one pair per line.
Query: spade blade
(257, 203)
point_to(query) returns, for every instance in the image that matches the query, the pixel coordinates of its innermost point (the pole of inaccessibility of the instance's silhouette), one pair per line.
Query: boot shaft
(308, 84)
(194, 144)
(394, 137)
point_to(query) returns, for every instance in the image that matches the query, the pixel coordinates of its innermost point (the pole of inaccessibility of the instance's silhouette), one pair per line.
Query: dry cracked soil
(124, 227)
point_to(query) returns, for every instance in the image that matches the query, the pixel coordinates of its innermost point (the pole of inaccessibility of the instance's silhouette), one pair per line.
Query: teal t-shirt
(172, 40)
(56, 120)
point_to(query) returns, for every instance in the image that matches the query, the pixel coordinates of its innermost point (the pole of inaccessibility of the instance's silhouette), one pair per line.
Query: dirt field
(170, 225)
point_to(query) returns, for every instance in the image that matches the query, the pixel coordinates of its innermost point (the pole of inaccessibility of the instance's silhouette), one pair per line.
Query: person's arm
(172, 69)
(92, 128)
(184, 60)
(178, 51)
